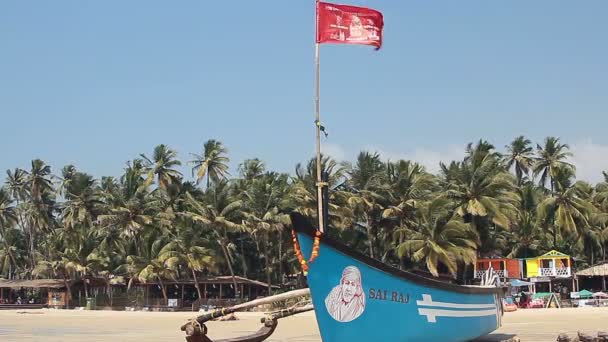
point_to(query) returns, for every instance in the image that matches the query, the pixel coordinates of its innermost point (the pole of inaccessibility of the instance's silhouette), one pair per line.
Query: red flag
(344, 24)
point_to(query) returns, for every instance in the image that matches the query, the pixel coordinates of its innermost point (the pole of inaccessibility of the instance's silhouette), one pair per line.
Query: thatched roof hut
(35, 283)
(600, 270)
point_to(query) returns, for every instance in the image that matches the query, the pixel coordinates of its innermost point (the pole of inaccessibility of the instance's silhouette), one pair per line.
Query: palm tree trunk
(137, 246)
(26, 230)
(267, 262)
(68, 296)
(109, 290)
(7, 247)
(280, 254)
(369, 235)
(30, 232)
(162, 287)
(198, 288)
(227, 257)
(86, 288)
(554, 236)
(243, 259)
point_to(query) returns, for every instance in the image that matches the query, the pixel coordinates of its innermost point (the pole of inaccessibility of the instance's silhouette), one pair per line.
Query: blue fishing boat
(357, 298)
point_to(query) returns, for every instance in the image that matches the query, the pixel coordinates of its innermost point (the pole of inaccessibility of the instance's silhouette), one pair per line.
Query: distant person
(523, 300)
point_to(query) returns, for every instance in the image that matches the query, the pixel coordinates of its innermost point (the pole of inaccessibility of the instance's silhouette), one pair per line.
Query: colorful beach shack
(505, 268)
(548, 268)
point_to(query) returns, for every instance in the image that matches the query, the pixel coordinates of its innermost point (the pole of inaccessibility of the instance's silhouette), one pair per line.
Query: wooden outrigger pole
(196, 331)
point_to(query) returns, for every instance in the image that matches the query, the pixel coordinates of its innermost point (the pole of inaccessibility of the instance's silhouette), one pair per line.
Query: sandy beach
(114, 326)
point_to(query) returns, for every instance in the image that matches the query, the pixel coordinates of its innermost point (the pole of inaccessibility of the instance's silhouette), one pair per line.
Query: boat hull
(360, 299)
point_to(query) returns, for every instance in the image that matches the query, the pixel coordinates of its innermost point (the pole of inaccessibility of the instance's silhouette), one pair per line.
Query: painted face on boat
(351, 282)
(349, 288)
(346, 301)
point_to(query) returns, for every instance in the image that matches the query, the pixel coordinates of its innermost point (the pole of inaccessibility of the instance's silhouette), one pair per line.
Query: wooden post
(249, 286)
(242, 290)
(573, 284)
(549, 285)
(204, 290)
(182, 303)
(220, 291)
(604, 283)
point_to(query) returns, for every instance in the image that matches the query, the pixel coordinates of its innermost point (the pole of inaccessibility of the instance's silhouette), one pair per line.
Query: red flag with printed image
(343, 24)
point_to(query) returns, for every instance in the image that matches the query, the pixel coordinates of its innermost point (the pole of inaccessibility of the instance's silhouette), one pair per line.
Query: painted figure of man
(346, 301)
(356, 29)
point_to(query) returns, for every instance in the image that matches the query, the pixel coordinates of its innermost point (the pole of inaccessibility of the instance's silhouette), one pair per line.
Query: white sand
(114, 326)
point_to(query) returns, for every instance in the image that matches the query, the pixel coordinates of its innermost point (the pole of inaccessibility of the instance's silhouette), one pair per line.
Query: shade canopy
(600, 270)
(585, 294)
(517, 283)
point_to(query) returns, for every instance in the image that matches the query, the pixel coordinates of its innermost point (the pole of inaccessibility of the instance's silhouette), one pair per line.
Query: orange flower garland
(314, 254)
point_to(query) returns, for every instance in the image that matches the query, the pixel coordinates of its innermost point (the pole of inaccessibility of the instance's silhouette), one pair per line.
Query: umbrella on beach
(585, 294)
(600, 295)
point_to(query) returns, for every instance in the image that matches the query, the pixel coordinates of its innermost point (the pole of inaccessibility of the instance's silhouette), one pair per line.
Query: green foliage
(151, 224)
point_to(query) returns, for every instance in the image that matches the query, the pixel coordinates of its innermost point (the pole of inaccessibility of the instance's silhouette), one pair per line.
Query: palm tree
(550, 159)
(80, 254)
(8, 217)
(38, 208)
(128, 206)
(566, 209)
(57, 268)
(439, 238)
(304, 191)
(251, 169)
(82, 199)
(265, 197)
(188, 252)
(482, 190)
(131, 216)
(520, 156)
(525, 231)
(213, 162)
(408, 184)
(162, 166)
(150, 265)
(219, 211)
(600, 218)
(38, 180)
(367, 182)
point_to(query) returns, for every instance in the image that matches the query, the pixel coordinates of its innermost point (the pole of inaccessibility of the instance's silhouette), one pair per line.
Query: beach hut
(34, 293)
(594, 276)
(549, 268)
(550, 264)
(505, 268)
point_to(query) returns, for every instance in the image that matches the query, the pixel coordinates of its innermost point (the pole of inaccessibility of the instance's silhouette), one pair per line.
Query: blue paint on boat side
(356, 302)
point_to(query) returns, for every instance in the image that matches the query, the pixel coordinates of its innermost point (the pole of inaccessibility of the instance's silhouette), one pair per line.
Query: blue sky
(96, 83)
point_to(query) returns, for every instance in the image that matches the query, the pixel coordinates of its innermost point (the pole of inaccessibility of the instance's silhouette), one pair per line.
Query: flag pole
(318, 125)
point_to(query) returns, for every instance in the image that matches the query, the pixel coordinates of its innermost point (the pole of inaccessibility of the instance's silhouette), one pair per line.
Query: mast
(320, 183)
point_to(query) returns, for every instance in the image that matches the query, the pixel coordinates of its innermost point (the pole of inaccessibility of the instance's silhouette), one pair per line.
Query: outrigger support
(196, 331)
